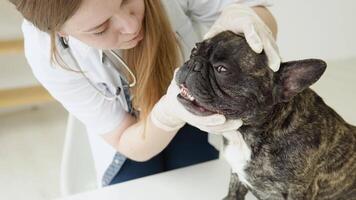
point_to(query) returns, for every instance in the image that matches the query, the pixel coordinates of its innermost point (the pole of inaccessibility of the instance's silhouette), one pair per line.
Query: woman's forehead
(90, 14)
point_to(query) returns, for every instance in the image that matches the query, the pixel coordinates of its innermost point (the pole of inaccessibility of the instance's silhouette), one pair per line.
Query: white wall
(14, 71)
(323, 29)
(10, 21)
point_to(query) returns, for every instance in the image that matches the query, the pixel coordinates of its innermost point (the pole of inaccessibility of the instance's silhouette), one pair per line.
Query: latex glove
(169, 114)
(242, 19)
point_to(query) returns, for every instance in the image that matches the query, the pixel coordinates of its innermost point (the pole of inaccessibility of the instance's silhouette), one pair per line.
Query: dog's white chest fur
(237, 153)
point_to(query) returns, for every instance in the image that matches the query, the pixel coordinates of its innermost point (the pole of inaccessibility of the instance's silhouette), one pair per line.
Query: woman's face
(107, 24)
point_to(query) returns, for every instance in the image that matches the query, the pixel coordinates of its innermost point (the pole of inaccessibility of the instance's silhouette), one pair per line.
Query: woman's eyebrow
(96, 27)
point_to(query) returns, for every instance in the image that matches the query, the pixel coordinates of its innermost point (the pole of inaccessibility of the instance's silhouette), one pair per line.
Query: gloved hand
(169, 114)
(242, 19)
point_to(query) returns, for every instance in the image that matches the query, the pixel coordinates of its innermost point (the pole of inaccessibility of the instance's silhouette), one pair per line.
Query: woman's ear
(295, 76)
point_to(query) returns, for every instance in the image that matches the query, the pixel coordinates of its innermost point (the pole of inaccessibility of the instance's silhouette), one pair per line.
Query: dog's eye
(220, 68)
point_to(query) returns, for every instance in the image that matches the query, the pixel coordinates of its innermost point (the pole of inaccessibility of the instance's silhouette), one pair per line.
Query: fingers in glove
(214, 30)
(271, 51)
(211, 120)
(175, 72)
(229, 125)
(252, 37)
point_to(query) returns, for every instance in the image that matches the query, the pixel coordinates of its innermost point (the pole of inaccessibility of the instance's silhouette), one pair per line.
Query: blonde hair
(153, 60)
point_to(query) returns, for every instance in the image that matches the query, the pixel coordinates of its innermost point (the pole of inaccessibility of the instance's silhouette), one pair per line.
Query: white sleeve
(207, 11)
(71, 89)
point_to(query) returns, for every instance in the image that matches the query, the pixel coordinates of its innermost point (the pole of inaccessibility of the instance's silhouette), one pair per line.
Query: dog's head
(224, 75)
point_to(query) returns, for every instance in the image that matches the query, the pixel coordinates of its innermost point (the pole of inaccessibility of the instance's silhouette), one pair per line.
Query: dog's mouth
(191, 104)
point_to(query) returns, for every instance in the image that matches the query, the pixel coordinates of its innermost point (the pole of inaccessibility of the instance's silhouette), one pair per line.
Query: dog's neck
(282, 115)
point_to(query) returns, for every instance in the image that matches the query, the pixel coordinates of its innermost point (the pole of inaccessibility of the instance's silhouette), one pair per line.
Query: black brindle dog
(291, 145)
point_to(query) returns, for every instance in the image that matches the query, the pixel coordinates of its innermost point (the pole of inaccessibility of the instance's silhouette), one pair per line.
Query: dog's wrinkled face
(224, 75)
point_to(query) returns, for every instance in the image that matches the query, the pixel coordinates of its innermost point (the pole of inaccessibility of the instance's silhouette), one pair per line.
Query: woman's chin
(131, 44)
(128, 45)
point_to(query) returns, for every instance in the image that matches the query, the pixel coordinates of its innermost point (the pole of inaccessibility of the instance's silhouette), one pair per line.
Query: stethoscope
(117, 94)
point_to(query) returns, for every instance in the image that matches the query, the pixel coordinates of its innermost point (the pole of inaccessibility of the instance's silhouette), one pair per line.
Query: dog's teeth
(185, 93)
(182, 90)
(191, 98)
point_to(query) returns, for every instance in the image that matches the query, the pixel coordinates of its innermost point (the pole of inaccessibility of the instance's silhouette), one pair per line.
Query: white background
(323, 29)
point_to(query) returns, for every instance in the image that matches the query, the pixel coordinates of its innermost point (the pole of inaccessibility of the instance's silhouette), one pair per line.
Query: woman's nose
(126, 23)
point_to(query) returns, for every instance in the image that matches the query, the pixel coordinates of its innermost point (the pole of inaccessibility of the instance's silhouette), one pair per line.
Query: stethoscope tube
(126, 67)
(65, 45)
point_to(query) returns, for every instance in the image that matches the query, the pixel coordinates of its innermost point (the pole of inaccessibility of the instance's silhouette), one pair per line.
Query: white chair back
(77, 168)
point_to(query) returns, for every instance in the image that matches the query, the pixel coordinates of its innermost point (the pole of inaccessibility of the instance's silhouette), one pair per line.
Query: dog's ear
(295, 76)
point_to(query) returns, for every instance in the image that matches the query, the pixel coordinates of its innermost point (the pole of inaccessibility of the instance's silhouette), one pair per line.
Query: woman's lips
(138, 36)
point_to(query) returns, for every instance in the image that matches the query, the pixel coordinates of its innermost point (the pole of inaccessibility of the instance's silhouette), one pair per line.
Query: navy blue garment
(190, 146)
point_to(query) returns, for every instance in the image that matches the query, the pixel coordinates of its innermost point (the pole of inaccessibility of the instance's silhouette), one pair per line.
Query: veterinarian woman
(136, 126)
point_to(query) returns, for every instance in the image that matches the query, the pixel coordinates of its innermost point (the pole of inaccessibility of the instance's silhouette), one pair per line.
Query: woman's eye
(220, 68)
(100, 33)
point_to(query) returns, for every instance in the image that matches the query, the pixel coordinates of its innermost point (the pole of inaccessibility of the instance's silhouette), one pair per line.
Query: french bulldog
(291, 144)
